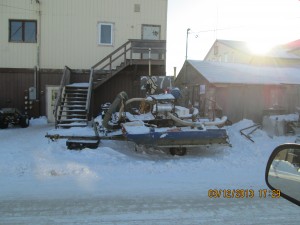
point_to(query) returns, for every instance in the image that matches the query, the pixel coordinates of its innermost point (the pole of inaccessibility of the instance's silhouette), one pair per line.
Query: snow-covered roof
(277, 52)
(281, 53)
(217, 72)
(238, 45)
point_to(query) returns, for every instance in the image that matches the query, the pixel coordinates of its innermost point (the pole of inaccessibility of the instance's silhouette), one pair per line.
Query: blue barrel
(176, 93)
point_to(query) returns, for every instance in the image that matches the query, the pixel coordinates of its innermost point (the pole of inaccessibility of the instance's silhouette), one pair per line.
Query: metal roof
(276, 52)
(232, 73)
(237, 45)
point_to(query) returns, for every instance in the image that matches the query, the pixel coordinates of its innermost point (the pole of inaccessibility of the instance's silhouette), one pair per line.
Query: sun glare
(260, 48)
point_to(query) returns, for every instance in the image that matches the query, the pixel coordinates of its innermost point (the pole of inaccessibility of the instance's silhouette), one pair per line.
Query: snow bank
(284, 166)
(33, 166)
(38, 121)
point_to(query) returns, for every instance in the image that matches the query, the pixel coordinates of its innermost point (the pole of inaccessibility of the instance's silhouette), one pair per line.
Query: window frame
(111, 33)
(10, 21)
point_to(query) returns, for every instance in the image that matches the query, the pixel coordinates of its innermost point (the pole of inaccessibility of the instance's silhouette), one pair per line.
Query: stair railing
(89, 94)
(64, 81)
(112, 57)
(132, 46)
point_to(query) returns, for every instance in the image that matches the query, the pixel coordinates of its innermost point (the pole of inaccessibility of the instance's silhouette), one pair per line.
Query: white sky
(261, 22)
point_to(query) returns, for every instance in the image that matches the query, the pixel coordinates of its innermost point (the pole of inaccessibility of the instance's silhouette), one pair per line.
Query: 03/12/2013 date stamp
(243, 193)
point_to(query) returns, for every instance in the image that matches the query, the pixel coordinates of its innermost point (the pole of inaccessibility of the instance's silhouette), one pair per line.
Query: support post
(149, 62)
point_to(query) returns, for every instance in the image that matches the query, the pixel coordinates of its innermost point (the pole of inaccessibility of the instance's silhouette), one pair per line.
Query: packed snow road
(149, 210)
(44, 183)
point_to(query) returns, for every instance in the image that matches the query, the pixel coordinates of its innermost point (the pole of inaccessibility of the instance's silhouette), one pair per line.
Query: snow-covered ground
(41, 182)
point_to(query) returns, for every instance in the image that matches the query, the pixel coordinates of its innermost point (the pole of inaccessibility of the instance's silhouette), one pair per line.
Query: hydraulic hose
(121, 97)
(197, 124)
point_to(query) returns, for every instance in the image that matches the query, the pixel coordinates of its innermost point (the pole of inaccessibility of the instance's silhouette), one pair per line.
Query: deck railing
(133, 49)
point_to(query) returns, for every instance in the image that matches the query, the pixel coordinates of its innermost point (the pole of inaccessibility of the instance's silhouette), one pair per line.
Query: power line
(217, 29)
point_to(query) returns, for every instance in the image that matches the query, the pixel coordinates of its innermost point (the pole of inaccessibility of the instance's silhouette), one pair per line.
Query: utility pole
(186, 54)
(187, 40)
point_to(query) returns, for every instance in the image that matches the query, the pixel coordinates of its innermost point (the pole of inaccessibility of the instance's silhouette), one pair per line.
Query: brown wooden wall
(252, 101)
(239, 102)
(127, 80)
(242, 101)
(14, 83)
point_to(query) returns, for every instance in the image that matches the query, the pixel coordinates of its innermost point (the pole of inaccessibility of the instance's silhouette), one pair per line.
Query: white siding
(69, 30)
(226, 54)
(22, 55)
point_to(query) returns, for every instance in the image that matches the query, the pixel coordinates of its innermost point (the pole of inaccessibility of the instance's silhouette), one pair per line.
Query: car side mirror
(283, 172)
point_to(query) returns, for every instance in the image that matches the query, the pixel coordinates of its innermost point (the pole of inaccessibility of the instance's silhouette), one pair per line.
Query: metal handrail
(64, 81)
(89, 94)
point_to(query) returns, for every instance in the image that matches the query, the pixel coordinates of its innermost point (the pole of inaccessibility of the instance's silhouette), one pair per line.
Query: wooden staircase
(103, 76)
(72, 110)
(132, 52)
(73, 101)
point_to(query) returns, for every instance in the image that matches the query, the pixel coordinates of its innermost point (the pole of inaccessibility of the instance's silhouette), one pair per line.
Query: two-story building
(39, 38)
(242, 84)
(230, 51)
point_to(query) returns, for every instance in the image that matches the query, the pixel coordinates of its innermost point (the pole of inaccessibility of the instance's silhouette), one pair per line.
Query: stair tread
(74, 115)
(71, 125)
(73, 119)
(76, 85)
(73, 102)
(73, 110)
(74, 88)
(68, 98)
(74, 106)
(76, 91)
(82, 96)
(72, 95)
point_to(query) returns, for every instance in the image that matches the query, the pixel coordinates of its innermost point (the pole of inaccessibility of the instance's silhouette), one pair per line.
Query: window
(22, 31)
(105, 33)
(150, 32)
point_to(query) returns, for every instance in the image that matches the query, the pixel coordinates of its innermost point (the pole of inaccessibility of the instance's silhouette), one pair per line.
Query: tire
(178, 151)
(3, 124)
(24, 121)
